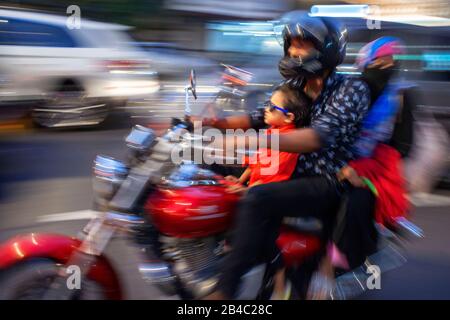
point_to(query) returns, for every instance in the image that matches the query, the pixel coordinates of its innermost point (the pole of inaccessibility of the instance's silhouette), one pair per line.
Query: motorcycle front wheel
(32, 279)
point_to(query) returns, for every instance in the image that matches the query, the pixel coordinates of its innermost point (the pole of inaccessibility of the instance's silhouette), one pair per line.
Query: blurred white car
(75, 75)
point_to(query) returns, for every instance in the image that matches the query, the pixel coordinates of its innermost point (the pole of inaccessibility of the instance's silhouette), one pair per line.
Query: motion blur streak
(67, 95)
(19, 253)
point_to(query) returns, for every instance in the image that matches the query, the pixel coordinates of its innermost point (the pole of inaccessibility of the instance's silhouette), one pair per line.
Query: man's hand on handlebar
(230, 122)
(209, 122)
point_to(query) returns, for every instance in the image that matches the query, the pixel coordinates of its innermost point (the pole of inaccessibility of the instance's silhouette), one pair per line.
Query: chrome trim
(160, 275)
(189, 183)
(190, 174)
(108, 176)
(175, 134)
(410, 227)
(207, 217)
(203, 287)
(189, 170)
(140, 138)
(123, 219)
(109, 169)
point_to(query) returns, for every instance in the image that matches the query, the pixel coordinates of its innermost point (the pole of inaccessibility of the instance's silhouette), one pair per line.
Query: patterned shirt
(336, 115)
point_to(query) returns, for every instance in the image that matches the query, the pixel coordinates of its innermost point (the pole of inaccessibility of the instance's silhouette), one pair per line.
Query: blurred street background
(68, 94)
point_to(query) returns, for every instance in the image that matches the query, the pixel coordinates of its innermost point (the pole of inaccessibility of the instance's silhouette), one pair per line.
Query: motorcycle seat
(305, 225)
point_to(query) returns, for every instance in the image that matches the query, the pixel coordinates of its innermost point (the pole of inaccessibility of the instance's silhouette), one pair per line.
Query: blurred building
(241, 9)
(437, 8)
(199, 14)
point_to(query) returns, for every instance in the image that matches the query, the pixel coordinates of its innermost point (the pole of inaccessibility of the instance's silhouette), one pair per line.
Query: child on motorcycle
(287, 109)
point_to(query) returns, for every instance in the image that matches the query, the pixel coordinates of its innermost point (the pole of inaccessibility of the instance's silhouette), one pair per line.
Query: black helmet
(328, 36)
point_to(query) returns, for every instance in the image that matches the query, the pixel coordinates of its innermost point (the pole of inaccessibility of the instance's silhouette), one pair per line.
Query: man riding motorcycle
(313, 47)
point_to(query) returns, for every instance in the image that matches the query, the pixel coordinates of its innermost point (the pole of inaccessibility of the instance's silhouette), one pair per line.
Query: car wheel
(68, 106)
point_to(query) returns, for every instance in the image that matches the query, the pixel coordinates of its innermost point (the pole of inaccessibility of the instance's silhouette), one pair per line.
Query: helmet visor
(287, 30)
(278, 28)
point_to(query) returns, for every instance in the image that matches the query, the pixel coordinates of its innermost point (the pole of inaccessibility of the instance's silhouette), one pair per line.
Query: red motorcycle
(178, 214)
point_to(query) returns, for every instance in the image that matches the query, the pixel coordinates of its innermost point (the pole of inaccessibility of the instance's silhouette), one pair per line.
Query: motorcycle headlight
(109, 174)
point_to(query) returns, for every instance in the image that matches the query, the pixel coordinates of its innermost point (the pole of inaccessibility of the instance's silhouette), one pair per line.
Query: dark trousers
(259, 219)
(355, 234)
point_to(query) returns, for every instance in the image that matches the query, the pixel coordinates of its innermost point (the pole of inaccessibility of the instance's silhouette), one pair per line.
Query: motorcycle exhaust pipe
(159, 275)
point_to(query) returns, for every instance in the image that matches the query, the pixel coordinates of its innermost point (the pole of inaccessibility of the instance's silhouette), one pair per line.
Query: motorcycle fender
(58, 248)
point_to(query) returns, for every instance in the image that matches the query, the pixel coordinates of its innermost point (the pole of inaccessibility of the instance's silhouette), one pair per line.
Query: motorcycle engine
(194, 261)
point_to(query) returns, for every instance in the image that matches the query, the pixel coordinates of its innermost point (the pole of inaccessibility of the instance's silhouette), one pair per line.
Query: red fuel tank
(192, 212)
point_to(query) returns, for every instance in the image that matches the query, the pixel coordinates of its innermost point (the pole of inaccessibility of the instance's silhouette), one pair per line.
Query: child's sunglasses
(268, 104)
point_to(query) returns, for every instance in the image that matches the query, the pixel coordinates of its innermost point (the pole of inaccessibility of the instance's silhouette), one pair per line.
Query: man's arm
(297, 141)
(253, 120)
(231, 122)
(345, 110)
(303, 140)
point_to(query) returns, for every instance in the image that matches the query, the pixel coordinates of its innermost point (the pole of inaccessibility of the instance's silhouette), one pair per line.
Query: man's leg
(357, 238)
(259, 218)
